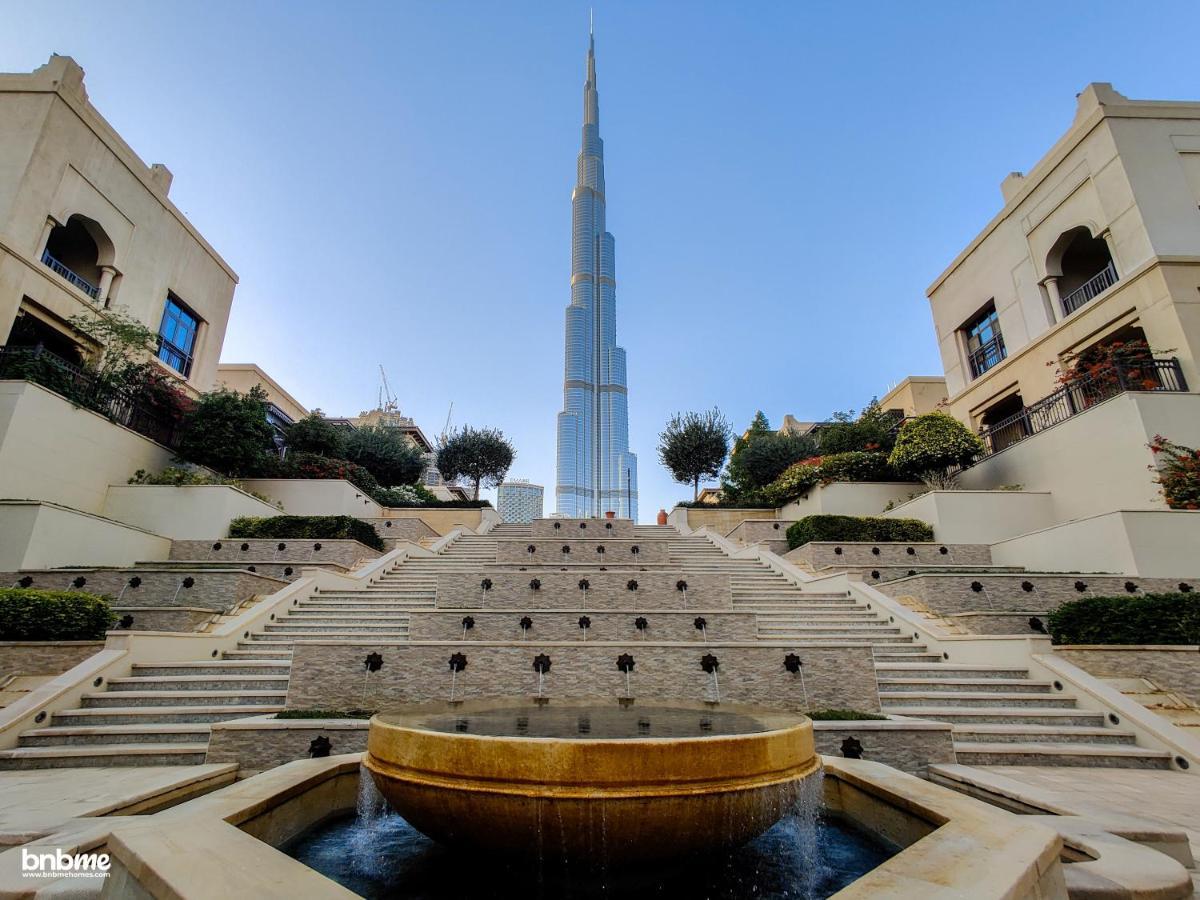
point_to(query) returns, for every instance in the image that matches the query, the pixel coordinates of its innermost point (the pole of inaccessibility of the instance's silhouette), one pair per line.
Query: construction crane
(446, 428)
(387, 400)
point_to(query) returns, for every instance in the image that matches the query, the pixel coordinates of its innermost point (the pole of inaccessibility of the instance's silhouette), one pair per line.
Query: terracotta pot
(610, 515)
(662, 517)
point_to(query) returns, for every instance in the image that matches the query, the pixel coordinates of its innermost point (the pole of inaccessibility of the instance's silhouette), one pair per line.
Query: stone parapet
(44, 657)
(1171, 667)
(550, 552)
(560, 590)
(264, 742)
(905, 744)
(158, 618)
(329, 675)
(402, 529)
(215, 590)
(607, 529)
(346, 553)
(552, 625)
(823, 554)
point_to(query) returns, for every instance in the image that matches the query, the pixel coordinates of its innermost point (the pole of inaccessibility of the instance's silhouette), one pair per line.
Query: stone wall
(910, 746)
(720, 520)
(264, 742)
(1030, 594)
(406, 529)
(329, 675)
(770, 532)
(603, 626)
(44, 657)
(212, 589)
(821, 554)
(169, 618)
(346, 553)
(607, 529)
(549, 552)
(1173, 668)
(560, 590)
(999, 623)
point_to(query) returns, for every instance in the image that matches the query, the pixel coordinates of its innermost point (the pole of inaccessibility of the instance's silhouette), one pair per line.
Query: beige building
(1099, 242)
(86, 226)
(916, 395)
(241, 377)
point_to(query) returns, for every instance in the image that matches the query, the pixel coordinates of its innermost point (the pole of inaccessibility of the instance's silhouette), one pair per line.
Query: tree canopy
(228, 432)
(694, 446)
(386, 453)
(481, 455)
(316, 434)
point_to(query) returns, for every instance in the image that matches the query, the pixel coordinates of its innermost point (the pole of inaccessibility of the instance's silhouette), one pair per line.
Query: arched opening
(1004, 423)
(76, 251)
(1083, 266)
(29, 332)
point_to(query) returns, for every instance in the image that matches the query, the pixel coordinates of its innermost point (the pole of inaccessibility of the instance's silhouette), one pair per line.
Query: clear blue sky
(392, 182)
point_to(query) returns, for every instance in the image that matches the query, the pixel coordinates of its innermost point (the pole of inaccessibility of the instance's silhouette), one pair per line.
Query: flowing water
(376, 854)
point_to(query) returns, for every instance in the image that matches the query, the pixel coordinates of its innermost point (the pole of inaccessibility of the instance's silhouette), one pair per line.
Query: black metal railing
(59, 268)
(83, 388)
(1090, 289)
(1082, 394)
(987, 355)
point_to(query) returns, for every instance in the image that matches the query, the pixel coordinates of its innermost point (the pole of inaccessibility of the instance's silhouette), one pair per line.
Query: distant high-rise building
(596, 471)
(519, 501)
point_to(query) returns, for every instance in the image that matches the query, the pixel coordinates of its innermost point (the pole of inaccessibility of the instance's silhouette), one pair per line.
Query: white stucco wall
(187, 512)
(849, 498)
(42, 535)
(978, 517)
(51, 450)
(316, 497)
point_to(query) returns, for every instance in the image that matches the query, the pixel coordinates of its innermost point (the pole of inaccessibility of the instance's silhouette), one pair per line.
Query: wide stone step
(1040, 734)
(966, 699)
(319, 628)
(1000, 715)
(891, 685)
(918, 670)
(344, 618)
(206, 667)
(183, 733)
(199, 683)
(916, 654)
(250, 653)
(131, 715)
(1113, 756)
(103, 755)
(838, 636)
(113, 699)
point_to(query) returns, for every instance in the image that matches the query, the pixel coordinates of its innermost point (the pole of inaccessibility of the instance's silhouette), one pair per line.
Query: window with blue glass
(177, 336)
(985, 343)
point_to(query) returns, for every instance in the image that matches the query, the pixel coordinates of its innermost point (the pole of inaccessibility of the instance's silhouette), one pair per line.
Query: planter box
(850, 498)
(316, 497)
(979, 517)
(45, 535)
(184, 512)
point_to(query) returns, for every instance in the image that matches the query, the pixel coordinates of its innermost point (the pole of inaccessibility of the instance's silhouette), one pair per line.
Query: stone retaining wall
(770, 532)
(821, 554)
(212, 589)
(158, 618)
(560, 590)
(44, 657)
(904, 744)
(296, 551)
(549, 552)
(564, 626)
(597, 529)
(999, 623)
(329, 675)
(1173, 668)
(1019, 593)
(406, 529)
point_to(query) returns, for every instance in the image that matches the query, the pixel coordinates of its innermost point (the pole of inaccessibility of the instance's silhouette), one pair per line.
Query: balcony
(1090, 289)
(987, 355)
(1080, 395)
(59, 269)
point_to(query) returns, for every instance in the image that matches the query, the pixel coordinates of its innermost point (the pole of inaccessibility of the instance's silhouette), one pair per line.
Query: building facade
(86, 227)
(519, 502)
(596, 472)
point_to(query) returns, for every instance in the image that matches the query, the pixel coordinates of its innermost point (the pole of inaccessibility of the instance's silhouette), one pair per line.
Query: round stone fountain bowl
(591, 782)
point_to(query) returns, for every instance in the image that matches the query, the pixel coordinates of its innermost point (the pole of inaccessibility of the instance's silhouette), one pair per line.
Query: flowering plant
(1178, 473)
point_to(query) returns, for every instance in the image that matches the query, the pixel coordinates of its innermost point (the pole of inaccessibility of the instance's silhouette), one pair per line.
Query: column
(49, 227)
(106, 279)
(1050, 282)
(1112, 248)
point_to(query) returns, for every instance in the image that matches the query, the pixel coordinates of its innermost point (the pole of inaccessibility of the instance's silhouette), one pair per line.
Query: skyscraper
(596, 471)
(519, 501)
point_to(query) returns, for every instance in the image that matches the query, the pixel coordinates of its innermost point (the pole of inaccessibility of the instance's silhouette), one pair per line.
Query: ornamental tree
(386, 453)
(762, 459)
(694, 446)
(932, 446)
(316, 434)
(481, 455)
(228, 432)
(1178, 473)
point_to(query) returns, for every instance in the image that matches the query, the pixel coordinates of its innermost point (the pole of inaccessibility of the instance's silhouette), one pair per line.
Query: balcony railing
(987, 355)
(86, 286)
(1087, 292)
(1082, 394)
(83, 388)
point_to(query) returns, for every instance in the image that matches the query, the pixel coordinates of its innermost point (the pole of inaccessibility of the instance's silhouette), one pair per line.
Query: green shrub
(857, 528)
(1178, 473)
(932, 446)
(856, 465)
(796, 481)
(316, 434)
(1146, 619)
(311, 465)
(842, 715)
(327, 528)
(228, 432)
(875, 429)
(406, 495)
(386, 453)
(27, 614)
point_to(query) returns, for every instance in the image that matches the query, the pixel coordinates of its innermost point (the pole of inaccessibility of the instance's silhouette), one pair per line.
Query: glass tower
(596, 471)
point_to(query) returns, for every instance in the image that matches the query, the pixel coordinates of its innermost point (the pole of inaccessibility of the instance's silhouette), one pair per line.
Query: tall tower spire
(596, 471)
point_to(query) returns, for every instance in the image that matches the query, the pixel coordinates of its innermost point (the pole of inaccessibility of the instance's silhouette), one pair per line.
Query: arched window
(77, 251)
(1083, 266)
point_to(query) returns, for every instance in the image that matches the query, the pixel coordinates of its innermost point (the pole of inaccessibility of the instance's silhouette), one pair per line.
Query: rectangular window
(985, 343)
(177, 336)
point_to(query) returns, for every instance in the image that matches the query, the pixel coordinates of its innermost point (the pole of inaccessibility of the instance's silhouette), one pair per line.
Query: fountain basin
(591, 782)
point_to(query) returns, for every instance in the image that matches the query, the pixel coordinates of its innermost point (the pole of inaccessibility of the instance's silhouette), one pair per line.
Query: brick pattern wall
(911, 750)
(751, 531)
(330, 675)
(821, 554)
(560, 590)
(603, 626)
(406, 529)
(1034, 594)
(596, 529)
(44, 657)
(213, 590)
(168, 619)
(548, 552)
(345, 553)
(1174, 669)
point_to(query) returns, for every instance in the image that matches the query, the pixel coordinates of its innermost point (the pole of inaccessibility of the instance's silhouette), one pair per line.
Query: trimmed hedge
(1148, 619)
(27, 614)
(833, 714)
(327, 528)
(857, 528)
